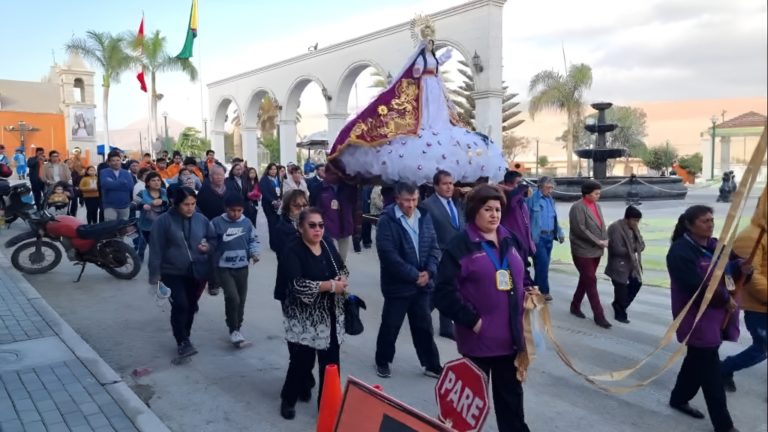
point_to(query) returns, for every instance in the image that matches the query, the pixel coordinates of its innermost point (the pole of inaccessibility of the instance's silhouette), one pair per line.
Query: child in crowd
(236, 244)
(89, 187)
(58, 200)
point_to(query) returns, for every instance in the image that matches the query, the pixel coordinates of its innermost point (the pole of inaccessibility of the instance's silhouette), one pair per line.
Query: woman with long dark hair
(254, 192)
(154, 202)
(688, 260)
(237, 183)
(271, 194)
(179, 244)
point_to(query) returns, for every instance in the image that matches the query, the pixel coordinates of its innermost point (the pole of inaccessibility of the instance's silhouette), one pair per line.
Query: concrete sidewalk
(50, 379)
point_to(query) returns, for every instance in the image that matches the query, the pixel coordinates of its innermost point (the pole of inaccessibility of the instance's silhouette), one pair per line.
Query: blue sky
(650, 50)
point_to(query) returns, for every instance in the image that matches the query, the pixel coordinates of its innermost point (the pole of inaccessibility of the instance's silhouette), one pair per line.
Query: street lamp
(712, 149)
(165, 120)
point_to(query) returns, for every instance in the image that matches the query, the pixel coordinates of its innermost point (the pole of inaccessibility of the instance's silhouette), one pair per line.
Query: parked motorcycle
(104, 244)
(16, 201)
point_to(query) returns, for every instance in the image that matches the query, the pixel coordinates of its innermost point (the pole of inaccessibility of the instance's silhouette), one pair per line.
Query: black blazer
(441, 219)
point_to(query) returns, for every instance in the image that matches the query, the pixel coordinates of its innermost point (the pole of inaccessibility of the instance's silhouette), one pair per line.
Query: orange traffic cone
(330, 400)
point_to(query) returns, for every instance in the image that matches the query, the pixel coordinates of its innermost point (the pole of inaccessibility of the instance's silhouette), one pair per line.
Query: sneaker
(383, 371)
(729, 385)
(433, 372)
(163, 292)
(236, 338)
(547, 297)
(186, 349)
(213, 291)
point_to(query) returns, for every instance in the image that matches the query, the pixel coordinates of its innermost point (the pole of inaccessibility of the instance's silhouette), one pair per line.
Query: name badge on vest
(730, 283)
(334, 205)
(503, 280)
(503, 277)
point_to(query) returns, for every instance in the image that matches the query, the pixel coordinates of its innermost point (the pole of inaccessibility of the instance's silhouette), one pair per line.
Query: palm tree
(152, 56)
(105, 51)
(465, 102)
(237, 139)
(190, 142)
(553, 90)
(267, 117)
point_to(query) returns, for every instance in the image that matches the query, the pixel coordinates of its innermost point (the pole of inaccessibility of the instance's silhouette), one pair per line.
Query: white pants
(342, 245)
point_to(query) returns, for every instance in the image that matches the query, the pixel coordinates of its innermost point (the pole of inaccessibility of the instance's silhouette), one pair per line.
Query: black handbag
(353, 325)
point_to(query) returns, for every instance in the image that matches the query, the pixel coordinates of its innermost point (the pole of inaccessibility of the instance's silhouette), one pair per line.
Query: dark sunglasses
(316, 225)
(299, 205)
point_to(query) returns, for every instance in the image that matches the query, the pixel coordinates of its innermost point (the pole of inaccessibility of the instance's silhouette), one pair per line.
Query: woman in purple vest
(481, 286)
(688, 260)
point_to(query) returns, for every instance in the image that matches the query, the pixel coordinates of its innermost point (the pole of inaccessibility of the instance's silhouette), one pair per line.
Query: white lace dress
(439, 144)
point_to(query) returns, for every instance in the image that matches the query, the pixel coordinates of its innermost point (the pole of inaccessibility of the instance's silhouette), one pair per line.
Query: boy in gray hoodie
(237, 244)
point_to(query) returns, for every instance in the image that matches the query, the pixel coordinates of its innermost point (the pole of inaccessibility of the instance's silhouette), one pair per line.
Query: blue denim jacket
(535, 203)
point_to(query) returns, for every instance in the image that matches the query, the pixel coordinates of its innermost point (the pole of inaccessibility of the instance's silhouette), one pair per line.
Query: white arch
(347, 81)
(444, 42)
(250, 116)
(294, 93)
(220, 113)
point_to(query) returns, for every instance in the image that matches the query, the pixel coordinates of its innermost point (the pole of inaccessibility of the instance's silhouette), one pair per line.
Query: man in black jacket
(408, 255)
(35, 164)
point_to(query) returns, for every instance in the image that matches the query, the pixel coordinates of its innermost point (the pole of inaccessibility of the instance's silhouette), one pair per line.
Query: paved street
(224, 389)
(44, 383)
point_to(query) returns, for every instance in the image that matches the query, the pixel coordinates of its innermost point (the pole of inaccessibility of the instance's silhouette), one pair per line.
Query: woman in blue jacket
(271, 195)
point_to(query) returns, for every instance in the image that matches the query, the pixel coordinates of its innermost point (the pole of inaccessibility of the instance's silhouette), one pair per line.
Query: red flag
(140, 75)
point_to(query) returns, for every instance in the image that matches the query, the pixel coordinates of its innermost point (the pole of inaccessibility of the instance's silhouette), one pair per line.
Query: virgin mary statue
(411, 130)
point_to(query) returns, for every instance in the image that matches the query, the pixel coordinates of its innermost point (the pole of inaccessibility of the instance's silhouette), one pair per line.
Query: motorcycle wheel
(126, 262)
(27, 259)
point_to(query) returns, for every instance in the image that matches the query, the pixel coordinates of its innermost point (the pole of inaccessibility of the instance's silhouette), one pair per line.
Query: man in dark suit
(313, 184)
(448, 218)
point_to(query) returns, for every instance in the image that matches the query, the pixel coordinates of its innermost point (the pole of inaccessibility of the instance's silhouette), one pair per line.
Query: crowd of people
(469, 252)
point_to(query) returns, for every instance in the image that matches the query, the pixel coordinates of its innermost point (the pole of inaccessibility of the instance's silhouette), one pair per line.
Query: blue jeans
(541, 262)
(755, 353)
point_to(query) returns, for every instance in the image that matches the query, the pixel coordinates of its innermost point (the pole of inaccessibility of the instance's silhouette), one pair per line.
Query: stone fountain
(615, 188)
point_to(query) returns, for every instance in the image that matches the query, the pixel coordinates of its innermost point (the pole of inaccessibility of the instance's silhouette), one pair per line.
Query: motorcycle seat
(101, 230)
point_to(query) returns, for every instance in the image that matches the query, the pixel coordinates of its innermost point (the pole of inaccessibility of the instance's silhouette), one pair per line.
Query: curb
(144, 419)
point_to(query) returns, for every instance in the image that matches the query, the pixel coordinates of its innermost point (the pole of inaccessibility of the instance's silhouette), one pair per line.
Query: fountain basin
(600, 128)
(648, 188)
(600, 154)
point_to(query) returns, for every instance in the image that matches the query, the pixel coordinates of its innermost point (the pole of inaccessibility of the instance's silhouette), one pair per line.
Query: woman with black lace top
(315, 281)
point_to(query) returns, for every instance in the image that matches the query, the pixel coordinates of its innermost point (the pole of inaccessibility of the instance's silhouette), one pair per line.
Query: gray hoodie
(173, 244)
(236, 241)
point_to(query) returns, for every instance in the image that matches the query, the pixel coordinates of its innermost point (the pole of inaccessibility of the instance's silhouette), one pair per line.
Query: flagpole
(200, 71)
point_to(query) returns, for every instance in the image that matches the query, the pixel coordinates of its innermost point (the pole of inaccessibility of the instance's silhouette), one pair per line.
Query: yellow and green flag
(186, 51)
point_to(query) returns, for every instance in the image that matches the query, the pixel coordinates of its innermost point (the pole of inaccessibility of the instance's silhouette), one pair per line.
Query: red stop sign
(462, 396)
